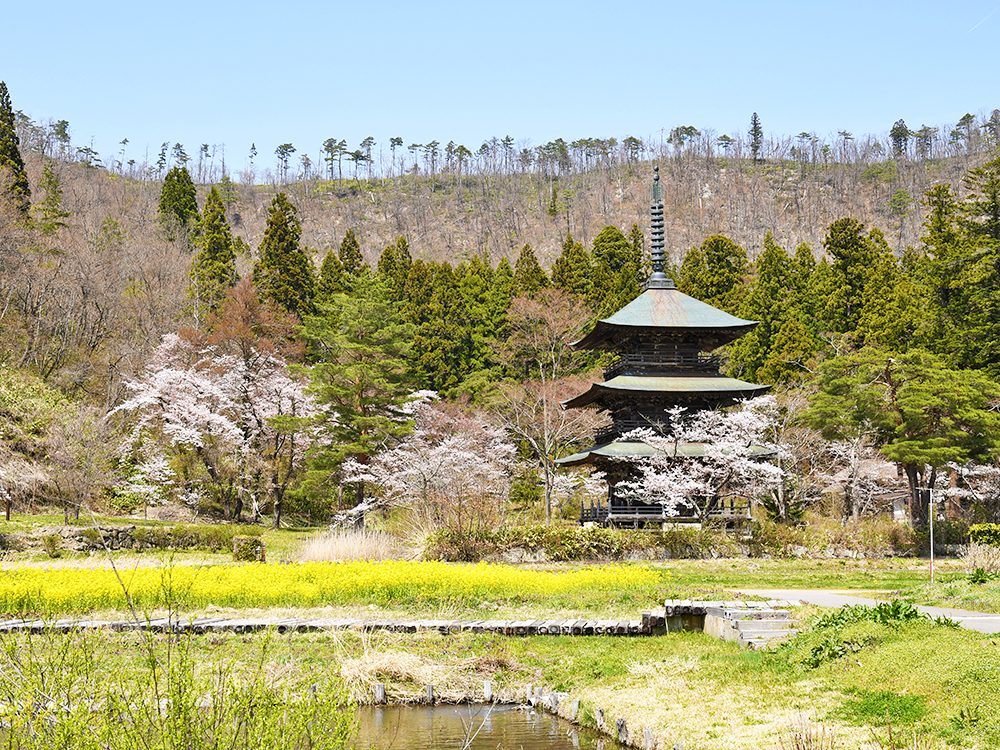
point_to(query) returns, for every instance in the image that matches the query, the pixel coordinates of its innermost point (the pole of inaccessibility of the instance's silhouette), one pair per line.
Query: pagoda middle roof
(633, 449)
(676, 385)
(667, 310)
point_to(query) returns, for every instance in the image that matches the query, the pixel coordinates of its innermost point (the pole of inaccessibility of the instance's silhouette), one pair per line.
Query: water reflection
(475, 727)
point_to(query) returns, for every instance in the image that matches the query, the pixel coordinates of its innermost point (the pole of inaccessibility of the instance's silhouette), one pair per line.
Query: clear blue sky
(301, 71)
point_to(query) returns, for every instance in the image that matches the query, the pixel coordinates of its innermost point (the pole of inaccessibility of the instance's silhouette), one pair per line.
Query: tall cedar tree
(963, 270)
(784, 342)
(856, 255)
(213, 270)
(715, 273)
(178, 202)
(475, 285)
(571, 271)
(284, 272)
(394, 266)
(13, 176)
(501, 293)
(767, 301)
(358, 348)
(352, 260)
(529, 276)
(616, 278)
(443, 348)
(331, 278)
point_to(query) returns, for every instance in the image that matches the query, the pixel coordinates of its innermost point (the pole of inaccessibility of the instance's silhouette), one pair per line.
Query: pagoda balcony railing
(726, 512)
(660, 363)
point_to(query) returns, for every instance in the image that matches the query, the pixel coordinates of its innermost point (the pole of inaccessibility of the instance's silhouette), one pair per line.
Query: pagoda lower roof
(712, 386)
(629, 449)
(667, 310)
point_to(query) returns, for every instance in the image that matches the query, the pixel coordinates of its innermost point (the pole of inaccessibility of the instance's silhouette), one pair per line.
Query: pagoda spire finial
(658, 279)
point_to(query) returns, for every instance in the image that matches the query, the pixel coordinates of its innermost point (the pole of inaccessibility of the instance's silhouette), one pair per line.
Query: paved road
(981, 621)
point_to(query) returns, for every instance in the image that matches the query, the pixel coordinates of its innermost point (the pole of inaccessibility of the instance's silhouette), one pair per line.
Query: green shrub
(574, 543)
(92, 538)
(985, 533)
(883, 613)
(51, 543)
(979, 576)
(248, 549)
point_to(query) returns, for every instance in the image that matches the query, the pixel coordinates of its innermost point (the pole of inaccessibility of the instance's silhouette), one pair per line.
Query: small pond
(476, 727)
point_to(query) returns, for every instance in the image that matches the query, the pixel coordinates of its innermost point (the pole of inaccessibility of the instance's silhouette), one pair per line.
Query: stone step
(757, 626)
(749, 614)
(757, 641)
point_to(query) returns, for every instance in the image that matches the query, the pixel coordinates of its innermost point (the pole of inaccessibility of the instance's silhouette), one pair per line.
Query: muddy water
(473, 727)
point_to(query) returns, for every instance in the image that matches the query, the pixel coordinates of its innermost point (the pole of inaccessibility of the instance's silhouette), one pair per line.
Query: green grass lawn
(893, 575)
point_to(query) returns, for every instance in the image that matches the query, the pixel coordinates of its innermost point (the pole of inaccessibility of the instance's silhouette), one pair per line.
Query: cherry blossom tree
(453, 470)
(705, 457)
(244, 419)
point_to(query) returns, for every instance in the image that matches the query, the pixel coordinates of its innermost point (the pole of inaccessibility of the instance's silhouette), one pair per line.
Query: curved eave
(627, 449)
(668, 311)
(709, 386)
(604, 332)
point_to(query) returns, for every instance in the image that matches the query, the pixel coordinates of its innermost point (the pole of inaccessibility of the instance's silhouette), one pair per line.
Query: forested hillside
(180, 331)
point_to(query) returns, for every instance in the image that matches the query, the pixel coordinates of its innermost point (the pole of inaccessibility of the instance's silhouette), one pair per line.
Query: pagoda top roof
(634, 449)
(675, 385)
(663, 308)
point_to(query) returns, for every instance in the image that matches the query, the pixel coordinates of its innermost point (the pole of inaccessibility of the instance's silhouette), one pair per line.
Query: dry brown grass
(983, 556)
(693, 711)
(342, 545)
(407, 673)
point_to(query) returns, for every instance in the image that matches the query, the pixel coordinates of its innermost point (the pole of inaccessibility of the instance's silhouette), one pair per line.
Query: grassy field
(930, 686)
(864, 684)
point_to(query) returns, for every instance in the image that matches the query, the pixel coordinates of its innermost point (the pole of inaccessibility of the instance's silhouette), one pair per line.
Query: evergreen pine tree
(178, 203)
(756, 134)
(284, 272)
(358, 348)
(394, 265)
(715, 273)
(13, 177)
(331, 278)
(855, 255)
(352, 260)
(502, 291)
(571, 271)
(616, 277)
(49, 213)
(213, 270)
(529, 276)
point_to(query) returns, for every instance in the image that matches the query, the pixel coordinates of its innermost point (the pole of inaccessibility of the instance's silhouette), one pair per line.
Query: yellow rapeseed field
(72, 591)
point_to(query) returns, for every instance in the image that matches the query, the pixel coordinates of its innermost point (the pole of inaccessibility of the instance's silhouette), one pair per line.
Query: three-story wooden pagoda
(663, 341)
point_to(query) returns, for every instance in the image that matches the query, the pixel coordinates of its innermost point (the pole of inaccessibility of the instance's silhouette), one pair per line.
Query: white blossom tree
(453, 471)
(245, 418)
(704, 458)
